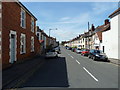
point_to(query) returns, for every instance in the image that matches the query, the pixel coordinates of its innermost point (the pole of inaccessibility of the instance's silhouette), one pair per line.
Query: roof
(25, 9)
(101, 29)
(116, 12)
(41, 41)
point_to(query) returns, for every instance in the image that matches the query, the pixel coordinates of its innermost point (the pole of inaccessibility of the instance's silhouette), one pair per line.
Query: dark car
(85, 52)
(73, 49)
(68, 48)
(97, 55)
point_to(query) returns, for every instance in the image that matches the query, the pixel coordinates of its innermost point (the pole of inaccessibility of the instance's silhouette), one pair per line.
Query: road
(72, 70)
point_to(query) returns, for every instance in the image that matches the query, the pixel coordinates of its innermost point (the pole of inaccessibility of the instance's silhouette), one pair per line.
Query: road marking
(90, 74)
(72, 57)
(69, 54)
(77, 61)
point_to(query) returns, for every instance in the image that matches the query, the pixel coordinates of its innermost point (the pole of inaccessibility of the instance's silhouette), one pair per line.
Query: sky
(70, 18)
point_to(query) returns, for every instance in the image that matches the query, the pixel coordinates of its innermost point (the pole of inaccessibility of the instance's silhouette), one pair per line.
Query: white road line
(72, 57)
(77, 61)
(90, 74)
(69, 54)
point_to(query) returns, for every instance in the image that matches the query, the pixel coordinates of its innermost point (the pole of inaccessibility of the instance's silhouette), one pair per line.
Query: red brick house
(18, 33)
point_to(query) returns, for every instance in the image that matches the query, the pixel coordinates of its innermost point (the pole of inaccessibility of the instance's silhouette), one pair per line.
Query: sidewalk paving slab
(19, 71)
(114, 61)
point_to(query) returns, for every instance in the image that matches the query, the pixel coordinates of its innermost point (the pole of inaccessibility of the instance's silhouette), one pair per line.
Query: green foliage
(74, 47)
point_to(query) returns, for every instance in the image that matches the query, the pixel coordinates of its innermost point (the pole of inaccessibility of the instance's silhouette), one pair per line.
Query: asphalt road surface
(72, 70)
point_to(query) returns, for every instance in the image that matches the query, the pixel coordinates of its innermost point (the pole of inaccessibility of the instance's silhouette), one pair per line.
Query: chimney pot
(106, 21)
(93, 28)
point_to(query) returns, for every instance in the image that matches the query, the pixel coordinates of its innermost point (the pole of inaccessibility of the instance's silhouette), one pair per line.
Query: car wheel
(56, 56)
(94, 58)
(89, 56)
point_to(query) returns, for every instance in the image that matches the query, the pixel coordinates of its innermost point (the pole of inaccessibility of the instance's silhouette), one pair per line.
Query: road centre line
(90, 74)
(77, 61)
(72, 57)
(69, 54)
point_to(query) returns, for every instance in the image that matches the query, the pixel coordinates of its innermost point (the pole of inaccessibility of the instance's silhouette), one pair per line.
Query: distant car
(68, 48)
(73, 49)
(78, 50)
(85, 52)
(97, 55)
(57, 49)
(51, 54)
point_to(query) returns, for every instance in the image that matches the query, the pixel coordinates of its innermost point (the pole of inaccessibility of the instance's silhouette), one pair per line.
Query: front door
(13, 50)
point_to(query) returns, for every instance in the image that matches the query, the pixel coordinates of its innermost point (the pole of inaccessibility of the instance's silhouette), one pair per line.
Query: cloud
(70, 27)
(67, 0)
(64, 18)
(102, 7)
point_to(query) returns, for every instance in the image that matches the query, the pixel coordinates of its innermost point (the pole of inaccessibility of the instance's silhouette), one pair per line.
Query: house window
(32, 24)
(23, 44)
(38, 36)
(83, 39)
(23, 19)
(32, 44)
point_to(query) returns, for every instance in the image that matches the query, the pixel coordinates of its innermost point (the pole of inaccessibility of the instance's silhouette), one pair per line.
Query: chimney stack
(106, 21)
(92, 28)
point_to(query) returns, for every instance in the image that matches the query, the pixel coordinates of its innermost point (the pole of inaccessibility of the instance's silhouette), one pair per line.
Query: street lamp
(50, 30)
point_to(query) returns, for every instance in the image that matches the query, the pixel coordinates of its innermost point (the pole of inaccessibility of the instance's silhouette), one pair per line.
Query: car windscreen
(98, 51)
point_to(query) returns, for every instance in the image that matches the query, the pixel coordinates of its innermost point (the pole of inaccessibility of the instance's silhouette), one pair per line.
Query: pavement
(19, 72)
(70, 70)
(115, 61)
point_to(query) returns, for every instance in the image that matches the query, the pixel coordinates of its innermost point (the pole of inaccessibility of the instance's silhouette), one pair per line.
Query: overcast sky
(70, 18)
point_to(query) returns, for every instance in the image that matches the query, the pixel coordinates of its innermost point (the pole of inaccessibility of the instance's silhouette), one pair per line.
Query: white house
(111, 38)
(97, 35)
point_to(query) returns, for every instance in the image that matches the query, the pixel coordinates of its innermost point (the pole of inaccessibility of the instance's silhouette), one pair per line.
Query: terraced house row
(20, 35)
(105, 37)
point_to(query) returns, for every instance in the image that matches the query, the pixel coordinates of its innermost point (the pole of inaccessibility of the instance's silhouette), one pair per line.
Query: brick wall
(11, 21)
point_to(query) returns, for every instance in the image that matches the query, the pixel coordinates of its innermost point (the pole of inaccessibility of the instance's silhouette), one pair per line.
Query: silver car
(51, 54)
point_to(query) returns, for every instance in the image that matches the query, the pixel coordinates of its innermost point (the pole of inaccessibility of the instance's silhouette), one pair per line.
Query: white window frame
(32, 44)
(24, 44)
(23, 19)
(32, 24)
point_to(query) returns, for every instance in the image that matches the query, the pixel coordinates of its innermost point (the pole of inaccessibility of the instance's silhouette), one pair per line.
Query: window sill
(22, 53)
(32, 51)
(23, 27)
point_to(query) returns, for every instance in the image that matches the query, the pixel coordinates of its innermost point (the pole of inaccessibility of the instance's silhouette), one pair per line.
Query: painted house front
(111, 37)
(18, 33)
(98, 36)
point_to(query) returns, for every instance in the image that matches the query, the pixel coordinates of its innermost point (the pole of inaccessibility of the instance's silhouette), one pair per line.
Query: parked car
(57, 49)
(73, 49)
(85, 52)
(97, 55)
(77, 50)
(68, 48)
(51, 54)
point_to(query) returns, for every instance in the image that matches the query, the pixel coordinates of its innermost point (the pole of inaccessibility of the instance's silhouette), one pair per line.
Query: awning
(41, 41)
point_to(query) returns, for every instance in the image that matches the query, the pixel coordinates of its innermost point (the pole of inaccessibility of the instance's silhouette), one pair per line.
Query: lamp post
(49, 34)
(50, 30)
